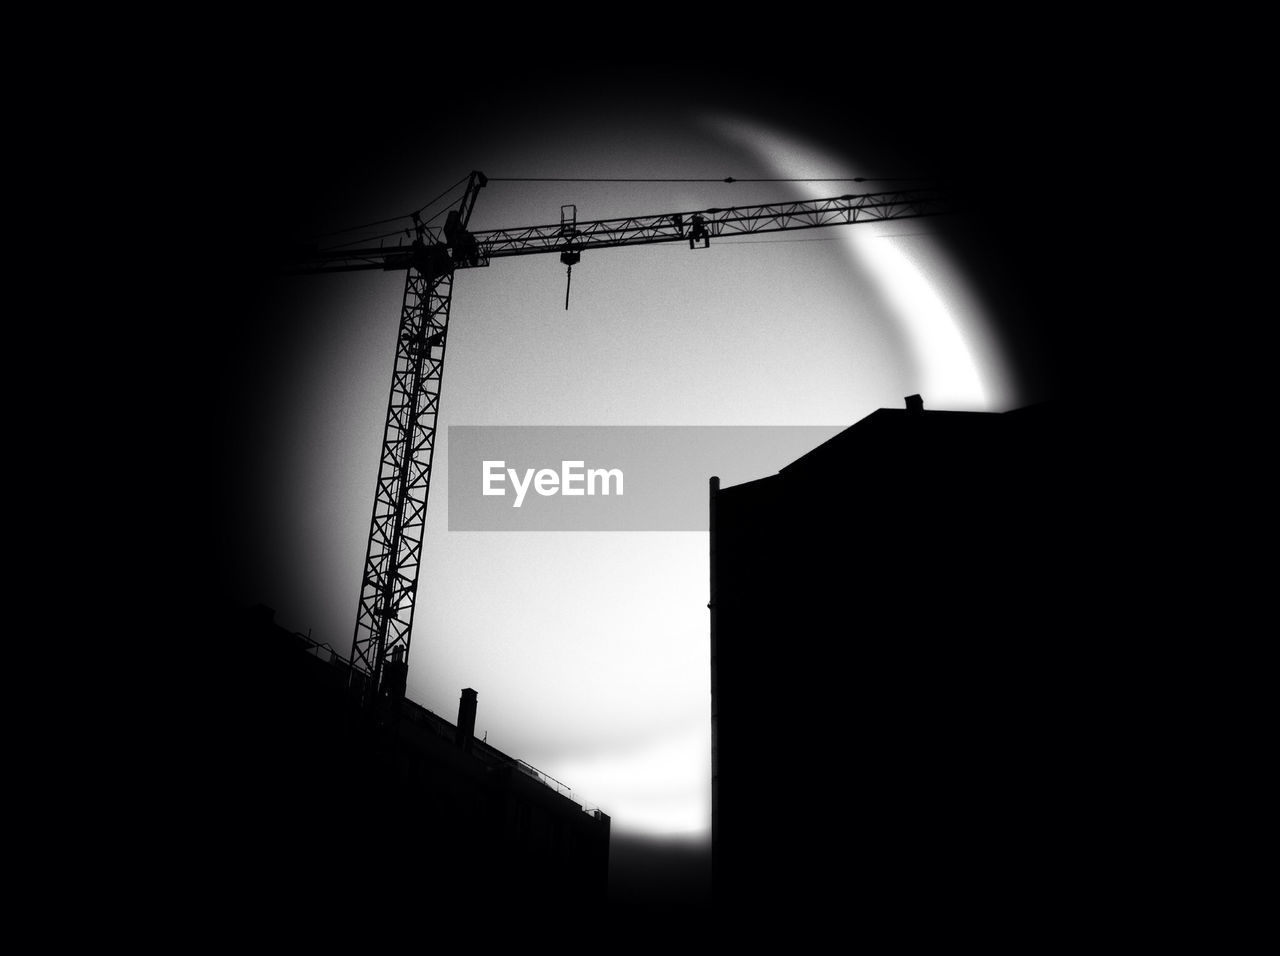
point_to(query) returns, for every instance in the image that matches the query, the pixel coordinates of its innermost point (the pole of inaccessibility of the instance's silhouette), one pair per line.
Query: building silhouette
(310, 796)
(892, 620)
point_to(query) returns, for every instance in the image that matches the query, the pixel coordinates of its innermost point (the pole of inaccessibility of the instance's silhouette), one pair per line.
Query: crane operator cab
(466, 250)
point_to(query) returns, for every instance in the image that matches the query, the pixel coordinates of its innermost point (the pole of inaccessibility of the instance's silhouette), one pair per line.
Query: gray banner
(607, 478)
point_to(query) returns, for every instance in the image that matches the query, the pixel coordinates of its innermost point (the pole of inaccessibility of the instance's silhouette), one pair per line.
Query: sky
(589, 651)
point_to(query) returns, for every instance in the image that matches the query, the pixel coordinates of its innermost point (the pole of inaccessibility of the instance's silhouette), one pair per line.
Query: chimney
(466, 719)
(915, 404)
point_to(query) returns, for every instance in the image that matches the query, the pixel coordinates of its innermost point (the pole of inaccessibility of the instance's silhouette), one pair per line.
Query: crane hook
(570, 258)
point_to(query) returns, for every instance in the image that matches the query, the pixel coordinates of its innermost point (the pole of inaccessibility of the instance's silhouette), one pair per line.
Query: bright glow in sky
(942, 335)
(590, 650)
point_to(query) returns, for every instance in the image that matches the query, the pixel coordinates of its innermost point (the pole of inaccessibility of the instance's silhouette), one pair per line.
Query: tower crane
(393, 560)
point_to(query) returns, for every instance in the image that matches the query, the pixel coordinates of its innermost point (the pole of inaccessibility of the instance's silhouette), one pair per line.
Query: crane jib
(467, 249)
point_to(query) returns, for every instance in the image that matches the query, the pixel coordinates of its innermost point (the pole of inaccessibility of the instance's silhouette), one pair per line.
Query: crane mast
(393, 560)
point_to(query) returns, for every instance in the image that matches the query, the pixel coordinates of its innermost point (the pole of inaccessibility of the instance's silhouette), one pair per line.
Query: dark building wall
(303, 796)
(891, 612)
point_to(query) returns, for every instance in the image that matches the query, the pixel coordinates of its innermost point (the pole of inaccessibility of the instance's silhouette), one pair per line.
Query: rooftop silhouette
(911, 585)
(304, 767)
